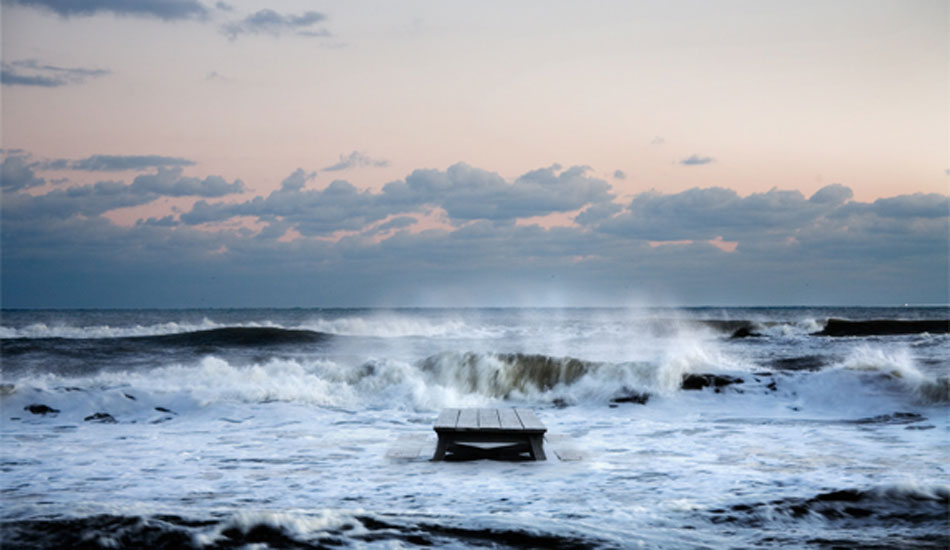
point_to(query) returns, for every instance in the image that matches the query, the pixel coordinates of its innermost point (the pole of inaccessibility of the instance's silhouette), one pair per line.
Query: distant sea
(691, 428)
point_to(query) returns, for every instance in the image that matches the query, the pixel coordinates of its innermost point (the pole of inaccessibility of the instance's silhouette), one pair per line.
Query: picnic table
(472, 432)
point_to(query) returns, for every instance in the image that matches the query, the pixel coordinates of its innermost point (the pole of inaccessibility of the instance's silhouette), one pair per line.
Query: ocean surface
(686, 428)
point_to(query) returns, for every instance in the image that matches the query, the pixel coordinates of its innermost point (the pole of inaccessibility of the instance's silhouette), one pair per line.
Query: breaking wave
(326, 529)
(892, 505)
(898, 366)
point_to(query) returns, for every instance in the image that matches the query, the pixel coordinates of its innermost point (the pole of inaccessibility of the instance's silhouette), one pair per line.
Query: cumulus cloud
(169, 182)
(465, 193)
(16, 172)
(696, 160)
(105, 196)
(707, 213)
(833, 194)
(340, 245)
(268, 21)
(917, 205)
(620, 175)
(168, 10)
(469, 193)
(30, 72)
(356, 160)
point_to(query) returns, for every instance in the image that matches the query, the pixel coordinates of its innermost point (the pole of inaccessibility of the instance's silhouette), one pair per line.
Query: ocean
(687, 428)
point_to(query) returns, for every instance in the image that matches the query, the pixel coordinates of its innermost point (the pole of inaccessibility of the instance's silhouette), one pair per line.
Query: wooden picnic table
(459, 429)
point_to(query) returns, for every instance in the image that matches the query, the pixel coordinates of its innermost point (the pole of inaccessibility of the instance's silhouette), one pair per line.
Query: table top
(510, 420)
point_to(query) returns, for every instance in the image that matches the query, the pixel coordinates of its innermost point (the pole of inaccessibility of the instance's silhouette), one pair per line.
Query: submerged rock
(630, 396)
(101, 417)
(40, 409)
(803, 363)
(745, 332)
(700, 381)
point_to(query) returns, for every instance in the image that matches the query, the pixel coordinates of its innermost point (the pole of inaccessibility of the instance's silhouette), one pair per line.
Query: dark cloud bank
(332, 244)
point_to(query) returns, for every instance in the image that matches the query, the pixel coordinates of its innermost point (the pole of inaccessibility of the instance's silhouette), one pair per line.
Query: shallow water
(223, 435)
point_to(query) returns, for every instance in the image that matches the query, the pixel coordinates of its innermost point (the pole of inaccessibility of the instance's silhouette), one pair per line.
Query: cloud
(105, 196)
(116, 163)
(465, 193)
(169, 182)
(657, 140)
(620, 175)
(917, 205)
(696, 160)
(339, 245)
(16, 173)
(707, 213)
(355, 160)
(168, 10)
(268, 21)
(30, 72)
(468, 193)
(338, 207)
(833, 194)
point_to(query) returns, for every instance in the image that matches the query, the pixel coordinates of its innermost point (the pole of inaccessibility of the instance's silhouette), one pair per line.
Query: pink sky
(794, 95)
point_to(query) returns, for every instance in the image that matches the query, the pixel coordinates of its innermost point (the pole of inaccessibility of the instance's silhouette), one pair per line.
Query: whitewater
(694, 428)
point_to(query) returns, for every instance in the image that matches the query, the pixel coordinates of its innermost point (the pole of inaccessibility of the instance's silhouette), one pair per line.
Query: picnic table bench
(462, 430)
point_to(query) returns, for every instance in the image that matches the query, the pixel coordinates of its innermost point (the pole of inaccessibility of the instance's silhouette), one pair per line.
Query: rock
(164, 410)
(804, 363)
(700, 381)
(745, 332)
(40, 409)
(630, 396)
(104, 418)
(127, 396)
(881, 327)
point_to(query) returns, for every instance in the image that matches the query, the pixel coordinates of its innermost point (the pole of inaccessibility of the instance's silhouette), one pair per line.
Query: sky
(191, 153)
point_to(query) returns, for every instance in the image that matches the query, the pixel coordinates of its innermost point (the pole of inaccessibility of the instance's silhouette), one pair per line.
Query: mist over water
(699, 427)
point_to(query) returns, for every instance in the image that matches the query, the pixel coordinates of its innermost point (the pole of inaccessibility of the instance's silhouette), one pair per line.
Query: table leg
(440, 448)
(537, 447)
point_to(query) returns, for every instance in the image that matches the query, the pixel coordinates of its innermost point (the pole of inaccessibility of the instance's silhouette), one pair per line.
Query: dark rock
(104, 418)
(630, 396)
(745, 332)
(40, 409)
(846, 495)
(560, 403)
(772, 386)
(132, 397)
(804, 363)
(164, 410)
(700, 381)
(882, 327)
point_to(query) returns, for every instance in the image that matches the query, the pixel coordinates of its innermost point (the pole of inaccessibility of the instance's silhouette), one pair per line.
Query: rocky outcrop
(883, 327)
(102, 418)
(37, 408)
(700, 381)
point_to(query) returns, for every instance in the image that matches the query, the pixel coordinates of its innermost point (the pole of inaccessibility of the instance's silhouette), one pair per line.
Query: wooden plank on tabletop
(488, 419)
(509, 420)
(529, 420)
(448, 418)
(468, 419)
